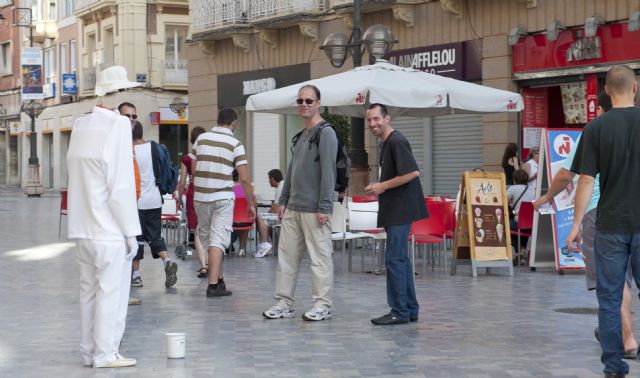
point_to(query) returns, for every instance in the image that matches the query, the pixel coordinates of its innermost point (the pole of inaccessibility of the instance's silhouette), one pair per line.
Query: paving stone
(492, 326)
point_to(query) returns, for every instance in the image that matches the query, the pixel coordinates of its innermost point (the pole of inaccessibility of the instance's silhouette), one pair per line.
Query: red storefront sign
(612, 43)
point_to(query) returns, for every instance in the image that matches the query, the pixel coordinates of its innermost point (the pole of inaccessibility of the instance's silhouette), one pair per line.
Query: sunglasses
(307, 101)
(131, 116)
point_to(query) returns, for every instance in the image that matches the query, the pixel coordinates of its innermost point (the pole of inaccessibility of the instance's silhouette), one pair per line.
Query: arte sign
(459, 60)
(31, 73)
(258, 86)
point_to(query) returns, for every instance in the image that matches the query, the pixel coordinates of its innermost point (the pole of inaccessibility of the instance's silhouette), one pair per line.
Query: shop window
(175, 137)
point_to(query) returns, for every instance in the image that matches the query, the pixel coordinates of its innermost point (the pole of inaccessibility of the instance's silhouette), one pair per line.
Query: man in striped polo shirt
(217, 153)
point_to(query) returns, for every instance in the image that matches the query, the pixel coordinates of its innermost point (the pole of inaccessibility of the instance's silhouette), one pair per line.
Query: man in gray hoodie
(305, 209)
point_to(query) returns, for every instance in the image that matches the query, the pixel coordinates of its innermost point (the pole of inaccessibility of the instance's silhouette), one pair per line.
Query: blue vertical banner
(31, 73)
(560, 143)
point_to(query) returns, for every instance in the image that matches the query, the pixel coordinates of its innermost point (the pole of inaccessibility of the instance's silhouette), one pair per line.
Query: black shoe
(413, 318)
(389, 319)
(217, 292)
(596, 333)
(614, 375)
(170, 269)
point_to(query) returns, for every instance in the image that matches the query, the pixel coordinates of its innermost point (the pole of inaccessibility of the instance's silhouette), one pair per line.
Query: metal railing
(209, 14)
(267, 9)
(79, 4)
(175, 72)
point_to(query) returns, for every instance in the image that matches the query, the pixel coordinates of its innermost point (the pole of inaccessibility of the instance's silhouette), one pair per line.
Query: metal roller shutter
(457, 147)
(266, 152)
(417, 131)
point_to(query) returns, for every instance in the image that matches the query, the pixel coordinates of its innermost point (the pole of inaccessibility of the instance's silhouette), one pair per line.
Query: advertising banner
(31, 73)
(560, 142)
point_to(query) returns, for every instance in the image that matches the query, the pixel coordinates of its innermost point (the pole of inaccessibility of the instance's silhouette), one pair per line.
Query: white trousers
(104, 296)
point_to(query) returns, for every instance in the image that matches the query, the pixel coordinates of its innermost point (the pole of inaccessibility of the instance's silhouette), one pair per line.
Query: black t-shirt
(403, 204)
(508, 173)
(610, 146)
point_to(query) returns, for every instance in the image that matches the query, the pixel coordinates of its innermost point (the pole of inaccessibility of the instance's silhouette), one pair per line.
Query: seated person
(516, 194)
(264, 247)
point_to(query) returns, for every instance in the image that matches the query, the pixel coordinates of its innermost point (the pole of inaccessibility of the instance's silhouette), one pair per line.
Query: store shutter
(417, 132)
(266, 152)
(457, 147)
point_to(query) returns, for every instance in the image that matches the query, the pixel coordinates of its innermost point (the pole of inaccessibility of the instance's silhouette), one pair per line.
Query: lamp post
(34, 188)
(23, 17)
(378, 40)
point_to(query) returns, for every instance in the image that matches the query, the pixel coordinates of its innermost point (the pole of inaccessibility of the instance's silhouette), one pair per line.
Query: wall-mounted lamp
(634, 21)
(553, 30)
(591, 25)
(178, 105)
(515, 33)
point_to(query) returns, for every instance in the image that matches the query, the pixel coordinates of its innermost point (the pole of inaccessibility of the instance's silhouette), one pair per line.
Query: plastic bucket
(176, 345)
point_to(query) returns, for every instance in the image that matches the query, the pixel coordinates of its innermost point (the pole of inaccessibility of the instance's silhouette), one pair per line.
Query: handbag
(512, 213)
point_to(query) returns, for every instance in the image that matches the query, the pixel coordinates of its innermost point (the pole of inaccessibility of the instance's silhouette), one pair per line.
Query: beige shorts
(215, 222)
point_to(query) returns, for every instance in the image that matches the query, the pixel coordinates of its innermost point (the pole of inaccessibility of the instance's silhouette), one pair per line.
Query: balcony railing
(88, 78)
(209, 15)
(260, 10)
(175, 72)
(85, 3)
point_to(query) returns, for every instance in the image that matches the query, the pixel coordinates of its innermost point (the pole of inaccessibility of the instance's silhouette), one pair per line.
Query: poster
(31, 73)
(560, 142)
(488, 219)
(574, 102)
(531, 137)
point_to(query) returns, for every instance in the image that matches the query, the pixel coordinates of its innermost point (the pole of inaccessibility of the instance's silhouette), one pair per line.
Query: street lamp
(33, 109)
(378, 40)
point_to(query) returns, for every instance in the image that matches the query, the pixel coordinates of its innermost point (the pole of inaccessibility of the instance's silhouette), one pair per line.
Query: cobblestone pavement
(493, 326)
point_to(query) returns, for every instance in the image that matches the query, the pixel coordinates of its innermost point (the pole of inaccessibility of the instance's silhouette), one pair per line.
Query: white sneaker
(120, 361)
(241, 252)
(316, 314)
(263, 249)
(277, 312)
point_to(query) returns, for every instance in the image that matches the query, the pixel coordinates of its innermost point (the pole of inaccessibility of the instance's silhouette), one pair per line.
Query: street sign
(69, 84)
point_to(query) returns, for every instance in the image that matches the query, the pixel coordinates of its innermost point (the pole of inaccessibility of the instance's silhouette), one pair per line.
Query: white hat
(112, 79)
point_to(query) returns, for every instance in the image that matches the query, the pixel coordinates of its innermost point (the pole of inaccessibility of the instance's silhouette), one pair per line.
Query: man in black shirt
(611, 147)
(401, 203)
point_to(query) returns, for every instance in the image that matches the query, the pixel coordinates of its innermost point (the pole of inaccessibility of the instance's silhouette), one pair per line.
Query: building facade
(79, 39)
(242, 45)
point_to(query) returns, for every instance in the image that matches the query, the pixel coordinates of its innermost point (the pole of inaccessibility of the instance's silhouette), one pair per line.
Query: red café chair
(63, 209)
(241, 220)
(525, 221)
(449, 217)
(429, 231)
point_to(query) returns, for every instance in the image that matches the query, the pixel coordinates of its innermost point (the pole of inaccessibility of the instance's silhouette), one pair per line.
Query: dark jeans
(612, 254)
(401, 292)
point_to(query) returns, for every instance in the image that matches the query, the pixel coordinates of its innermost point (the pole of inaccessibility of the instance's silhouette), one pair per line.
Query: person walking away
(401, 202)
(611, 148)
(103, 222)
(306, 205)
(192, 217)
(217, 153)
(150, 213)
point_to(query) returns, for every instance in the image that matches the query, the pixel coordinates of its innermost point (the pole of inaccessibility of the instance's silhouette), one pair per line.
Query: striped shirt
(217, 153)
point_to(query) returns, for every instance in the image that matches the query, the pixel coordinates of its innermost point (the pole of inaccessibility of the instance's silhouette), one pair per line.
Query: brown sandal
(203, 272)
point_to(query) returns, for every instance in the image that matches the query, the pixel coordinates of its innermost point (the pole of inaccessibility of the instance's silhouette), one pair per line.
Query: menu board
(483, 218)
(574, 102)
(536, 111)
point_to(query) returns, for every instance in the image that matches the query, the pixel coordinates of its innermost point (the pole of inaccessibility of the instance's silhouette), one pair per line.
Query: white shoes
(264, 249)
(241, 252)
(278, 312)
(120, 361)
(316, 314)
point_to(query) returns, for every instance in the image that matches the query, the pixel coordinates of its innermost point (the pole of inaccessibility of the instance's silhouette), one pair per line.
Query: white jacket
(101, 189)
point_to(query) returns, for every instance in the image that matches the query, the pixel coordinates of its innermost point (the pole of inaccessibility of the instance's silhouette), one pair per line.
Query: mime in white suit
(103, 220)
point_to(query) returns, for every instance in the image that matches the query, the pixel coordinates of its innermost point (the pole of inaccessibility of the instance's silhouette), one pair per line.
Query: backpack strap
(155, 161)
(316, 138)
(521, 194)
